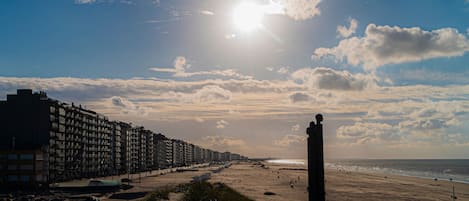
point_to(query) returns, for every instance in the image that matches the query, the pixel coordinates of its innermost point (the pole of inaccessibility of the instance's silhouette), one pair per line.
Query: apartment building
(178, 153)
(45, 141)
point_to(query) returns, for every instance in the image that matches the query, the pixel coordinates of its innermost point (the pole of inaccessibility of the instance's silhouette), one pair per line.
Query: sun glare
(248, 16)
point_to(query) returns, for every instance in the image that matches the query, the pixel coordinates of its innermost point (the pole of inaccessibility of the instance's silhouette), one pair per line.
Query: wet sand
(254, 180)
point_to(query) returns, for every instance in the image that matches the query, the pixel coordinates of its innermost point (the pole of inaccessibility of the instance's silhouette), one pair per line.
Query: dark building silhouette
(45, 140)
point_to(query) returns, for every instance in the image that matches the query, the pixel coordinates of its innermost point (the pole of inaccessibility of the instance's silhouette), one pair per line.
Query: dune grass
(160, 194)
(204, 191)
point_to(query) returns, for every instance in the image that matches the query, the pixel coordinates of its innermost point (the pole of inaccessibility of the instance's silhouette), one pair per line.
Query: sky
(390, 77)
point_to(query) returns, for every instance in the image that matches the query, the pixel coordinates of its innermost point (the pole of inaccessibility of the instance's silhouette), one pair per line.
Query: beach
(289, 182)
(254, 180)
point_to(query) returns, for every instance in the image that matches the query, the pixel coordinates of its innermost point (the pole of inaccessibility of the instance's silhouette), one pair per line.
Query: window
(24, 178)
(12, 178)
(26, 167)
(62, 111)
(61, 128)
(12, 157)
(12, 167)
(55, 126)
(26, 156)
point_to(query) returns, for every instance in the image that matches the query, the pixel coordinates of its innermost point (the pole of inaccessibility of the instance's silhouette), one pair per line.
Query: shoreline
(439, 178)
(255, 180)
(334, 166)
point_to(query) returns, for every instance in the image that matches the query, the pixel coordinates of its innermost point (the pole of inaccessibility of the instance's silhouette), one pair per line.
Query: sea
(456, 170)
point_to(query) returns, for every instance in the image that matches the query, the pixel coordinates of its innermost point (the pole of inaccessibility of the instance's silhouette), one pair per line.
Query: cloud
(127, 2)
(223, 143)
(212, 93)
(206, 12)
(289, 139)
(423, 124)
(438, 113)
(327, 78)
(222, 124)
(163, 20)
(299, 97)
(282, 70)
(295, 127)
(346, 32)
(383, 45)
(300, 9)
(181, 65)
(364, 132)
(179, 12)
(127, 106)
(84, 1)
(431, 76)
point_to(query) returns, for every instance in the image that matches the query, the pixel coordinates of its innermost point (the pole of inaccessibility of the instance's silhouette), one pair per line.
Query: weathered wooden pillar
(316, 189)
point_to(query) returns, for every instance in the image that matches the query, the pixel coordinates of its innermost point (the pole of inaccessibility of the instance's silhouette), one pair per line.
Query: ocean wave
(427, 174)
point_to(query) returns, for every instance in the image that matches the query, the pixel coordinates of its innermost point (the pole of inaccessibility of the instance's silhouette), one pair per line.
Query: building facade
(46, 141)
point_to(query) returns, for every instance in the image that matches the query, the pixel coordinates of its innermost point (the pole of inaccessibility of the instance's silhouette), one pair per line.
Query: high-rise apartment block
(45, 140)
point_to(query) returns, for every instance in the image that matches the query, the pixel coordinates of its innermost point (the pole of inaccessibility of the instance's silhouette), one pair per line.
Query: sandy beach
(254, 180)
(288, 182)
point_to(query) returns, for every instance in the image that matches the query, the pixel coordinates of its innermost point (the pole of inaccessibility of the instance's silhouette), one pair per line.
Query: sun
(248, 16)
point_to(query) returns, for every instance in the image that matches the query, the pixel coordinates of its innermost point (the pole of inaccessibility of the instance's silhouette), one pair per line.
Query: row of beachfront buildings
(43, 141)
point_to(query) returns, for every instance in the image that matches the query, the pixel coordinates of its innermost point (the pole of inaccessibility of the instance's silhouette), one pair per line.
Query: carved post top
(319, 119)
(313, 126)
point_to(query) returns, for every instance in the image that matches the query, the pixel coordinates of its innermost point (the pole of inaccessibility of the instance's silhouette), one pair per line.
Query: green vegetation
(198, 191)
(160, 194)
(204, 191)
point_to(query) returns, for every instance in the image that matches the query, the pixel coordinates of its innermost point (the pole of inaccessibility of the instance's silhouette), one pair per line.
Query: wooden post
(316, 189)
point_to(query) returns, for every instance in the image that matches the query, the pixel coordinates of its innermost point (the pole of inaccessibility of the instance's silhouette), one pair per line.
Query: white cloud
(430, 114)
(289, 139)
(283, 70)
(84, 1)
(300, 9)
(383, 45)
(327, 78)
(422, 124)
(181, 65)
(222, 124)
(206, 12)
(346, 32)
(365, 132)
(212, 93)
